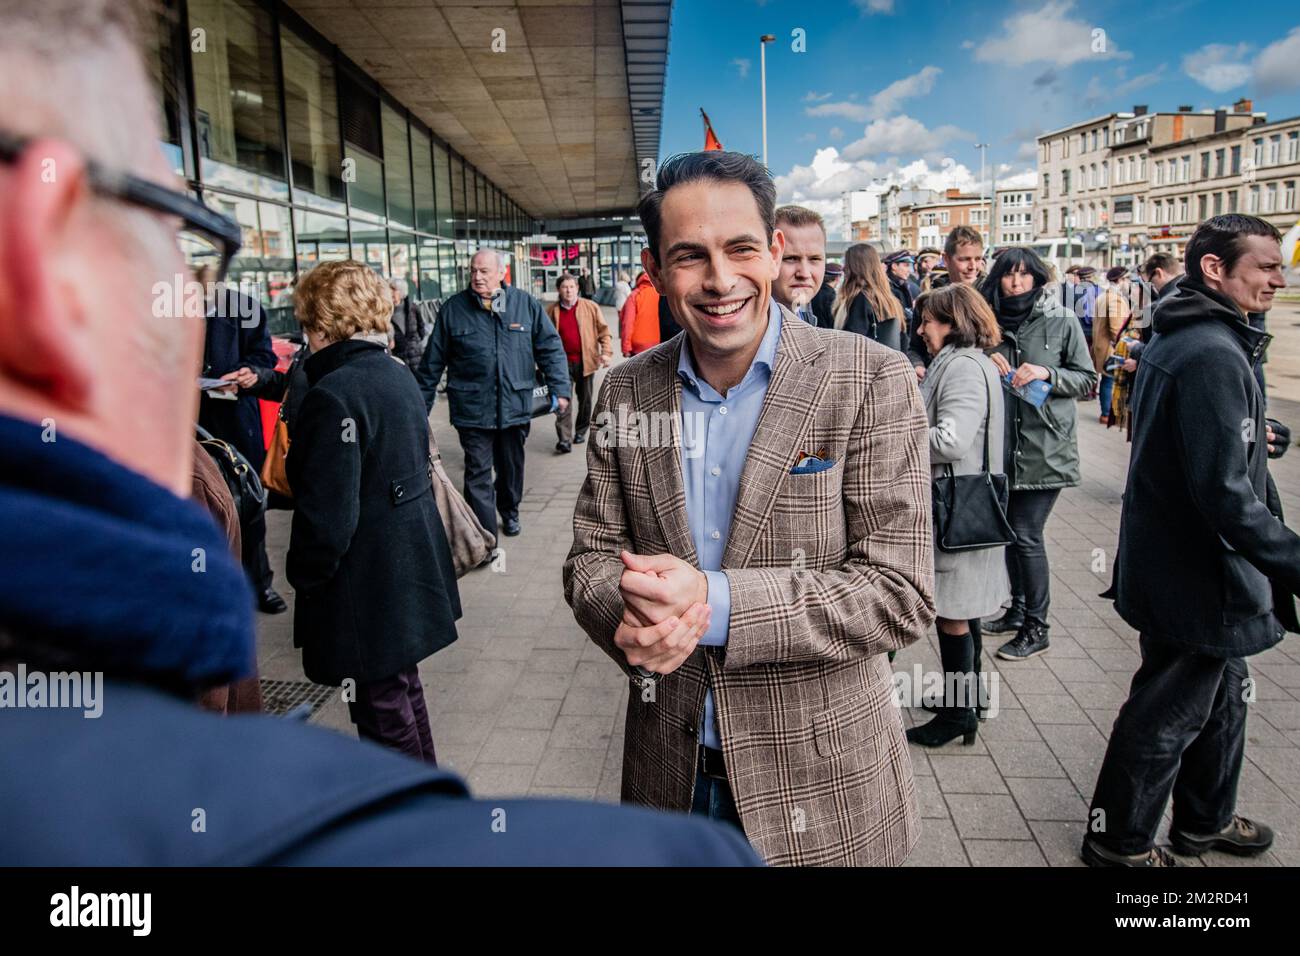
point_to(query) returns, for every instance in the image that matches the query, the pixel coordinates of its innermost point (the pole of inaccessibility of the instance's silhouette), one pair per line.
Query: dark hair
(960, 306)
(961, 236)
(708, 164)
(565, 277)
(1222, 236)
(1159, 260)
(1013, 259)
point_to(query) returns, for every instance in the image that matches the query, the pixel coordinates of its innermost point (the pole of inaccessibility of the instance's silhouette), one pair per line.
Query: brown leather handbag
(469, 541)
(274, 476)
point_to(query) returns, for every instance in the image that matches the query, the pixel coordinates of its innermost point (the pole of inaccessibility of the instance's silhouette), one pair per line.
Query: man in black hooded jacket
(1206, 569)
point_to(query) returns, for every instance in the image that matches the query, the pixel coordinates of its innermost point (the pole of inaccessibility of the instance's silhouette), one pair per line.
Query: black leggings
(1027, 567)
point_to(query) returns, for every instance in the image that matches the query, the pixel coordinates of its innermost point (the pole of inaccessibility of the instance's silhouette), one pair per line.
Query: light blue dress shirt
(716, 433)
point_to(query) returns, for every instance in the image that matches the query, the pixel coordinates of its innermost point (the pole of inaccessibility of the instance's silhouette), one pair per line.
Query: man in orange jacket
(638, 323)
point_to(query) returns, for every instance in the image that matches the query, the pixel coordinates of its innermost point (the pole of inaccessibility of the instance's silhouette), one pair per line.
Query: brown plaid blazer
(828, 572)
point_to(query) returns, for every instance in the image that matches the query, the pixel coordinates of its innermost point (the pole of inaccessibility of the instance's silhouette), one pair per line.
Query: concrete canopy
(556, 101)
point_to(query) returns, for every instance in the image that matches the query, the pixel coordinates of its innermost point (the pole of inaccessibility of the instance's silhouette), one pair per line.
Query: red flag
(710, 140)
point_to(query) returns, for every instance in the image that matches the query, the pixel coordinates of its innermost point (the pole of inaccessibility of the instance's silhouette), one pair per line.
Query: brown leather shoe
(1241, 837)
(1094, 854)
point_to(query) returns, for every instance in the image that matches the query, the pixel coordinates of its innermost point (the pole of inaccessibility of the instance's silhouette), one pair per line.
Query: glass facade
(275, 128)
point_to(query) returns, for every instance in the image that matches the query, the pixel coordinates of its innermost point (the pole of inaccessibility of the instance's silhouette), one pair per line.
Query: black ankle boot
(955, 718)
(1011, 621)
(977, 658)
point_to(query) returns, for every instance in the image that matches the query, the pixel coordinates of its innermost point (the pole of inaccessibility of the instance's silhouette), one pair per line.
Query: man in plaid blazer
(752, 538)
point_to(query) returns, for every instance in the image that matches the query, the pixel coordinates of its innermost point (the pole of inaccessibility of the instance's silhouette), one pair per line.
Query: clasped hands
(1023, 375)
(665, 611)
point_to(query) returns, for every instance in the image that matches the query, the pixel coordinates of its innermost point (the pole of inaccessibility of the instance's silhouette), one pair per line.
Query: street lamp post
(988, 221)
(763, 41)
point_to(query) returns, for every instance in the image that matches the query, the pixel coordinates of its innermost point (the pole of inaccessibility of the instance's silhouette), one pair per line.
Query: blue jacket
(99, 573)
(491, 359)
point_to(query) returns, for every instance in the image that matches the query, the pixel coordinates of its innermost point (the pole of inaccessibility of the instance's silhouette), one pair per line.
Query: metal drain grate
(282, 697)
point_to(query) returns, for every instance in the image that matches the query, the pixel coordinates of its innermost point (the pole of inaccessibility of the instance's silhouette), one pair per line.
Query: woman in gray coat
(963, 403)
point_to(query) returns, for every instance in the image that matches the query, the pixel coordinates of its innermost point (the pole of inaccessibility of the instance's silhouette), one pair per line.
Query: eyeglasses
(205, 238)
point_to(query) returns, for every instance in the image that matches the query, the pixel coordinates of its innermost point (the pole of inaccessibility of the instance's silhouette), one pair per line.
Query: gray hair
(489, 251)
(398, 285)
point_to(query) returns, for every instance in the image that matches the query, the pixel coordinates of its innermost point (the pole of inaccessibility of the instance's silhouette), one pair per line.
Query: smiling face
(964, 263)
(485, 273)
(803, 265)
(716, 267)
(933, 332)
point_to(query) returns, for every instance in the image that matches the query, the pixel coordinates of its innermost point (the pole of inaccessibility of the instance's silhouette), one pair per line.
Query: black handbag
(241, 477)
(541, 396)
(970, 511)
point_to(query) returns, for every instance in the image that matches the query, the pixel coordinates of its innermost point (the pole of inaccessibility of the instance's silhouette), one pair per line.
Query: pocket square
(811, 464)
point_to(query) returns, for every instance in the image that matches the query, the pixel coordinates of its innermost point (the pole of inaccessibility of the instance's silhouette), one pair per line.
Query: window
(397, 167)
(1047, 184)
(1252, 200)
(1236, 160)
(1142, 166)
(426, 212)
(1184, 209)
(442, 190)
(1139, 209)
(1218, 204)
(1045, 226)
(164, 63)
(1159, 178)
(1065, 182)
(1274, 149)
(1232, 200)
(312, 115)
(321, 238)
(459, 212)
(237, 98)
(1270, 197)
(370, 245)
(1202, 205)
(1288, 196)
(1205, 165)
(1293, 147)
(1259, 152)
(263, 267)
(1185, 170)
(1105, 173)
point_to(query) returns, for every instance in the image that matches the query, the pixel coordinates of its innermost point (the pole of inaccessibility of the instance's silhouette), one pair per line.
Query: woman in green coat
(1041, 341)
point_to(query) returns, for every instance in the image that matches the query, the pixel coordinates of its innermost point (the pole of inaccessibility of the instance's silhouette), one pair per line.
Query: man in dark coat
(1206, 568)
(237, 343)
(823, 303)
(491, 340)
(127, 585)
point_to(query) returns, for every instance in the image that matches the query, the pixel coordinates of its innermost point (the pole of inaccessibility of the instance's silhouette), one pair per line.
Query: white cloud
(884, 102)
(875, 6)
(1026, 179)
(1276, 66)
(1100, 91)
(812, 96)
(742, 66)
(1219, 66)
(1047, 35)
(902, 135)
(818, 185)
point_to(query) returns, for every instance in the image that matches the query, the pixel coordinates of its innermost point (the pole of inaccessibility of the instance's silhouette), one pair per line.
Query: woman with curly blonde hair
(368, 557)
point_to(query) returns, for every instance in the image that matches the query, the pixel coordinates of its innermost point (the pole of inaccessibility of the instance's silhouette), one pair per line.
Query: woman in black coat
(865, 304)
(368, 557)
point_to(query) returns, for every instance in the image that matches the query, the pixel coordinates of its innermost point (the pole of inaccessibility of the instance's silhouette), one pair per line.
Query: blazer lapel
(658, 396)
(793, 395)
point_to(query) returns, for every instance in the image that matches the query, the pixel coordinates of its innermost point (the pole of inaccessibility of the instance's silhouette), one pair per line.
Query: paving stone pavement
(524, 704)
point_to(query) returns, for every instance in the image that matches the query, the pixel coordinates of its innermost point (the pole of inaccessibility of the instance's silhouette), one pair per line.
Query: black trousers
(564, 429)
(501, 449)
(1027, 567)
(391, 712)
(1182, 730)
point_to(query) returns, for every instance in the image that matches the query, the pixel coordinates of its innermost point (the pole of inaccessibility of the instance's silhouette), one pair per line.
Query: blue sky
(903, 89)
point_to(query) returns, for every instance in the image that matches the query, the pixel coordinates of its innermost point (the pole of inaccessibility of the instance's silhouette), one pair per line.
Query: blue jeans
(1104, 391)
(713, 799)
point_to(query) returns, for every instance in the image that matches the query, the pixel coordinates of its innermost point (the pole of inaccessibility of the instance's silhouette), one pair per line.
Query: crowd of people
(882, 446)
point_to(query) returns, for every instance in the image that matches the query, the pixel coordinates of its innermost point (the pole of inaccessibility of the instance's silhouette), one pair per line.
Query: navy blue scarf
(99, 565)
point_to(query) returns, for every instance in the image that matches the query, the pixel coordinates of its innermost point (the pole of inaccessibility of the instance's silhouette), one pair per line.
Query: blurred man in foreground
(128, 586)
